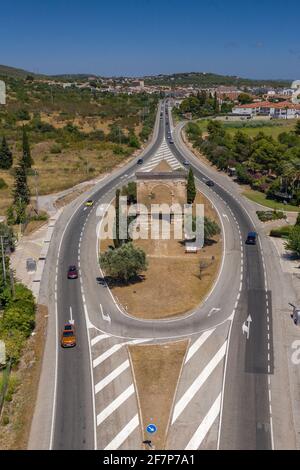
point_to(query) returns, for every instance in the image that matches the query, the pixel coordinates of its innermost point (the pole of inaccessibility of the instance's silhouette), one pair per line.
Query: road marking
(71, 321)
(197, 344)
(198, 382)
(105, 316)
(114, 349)
(112, 376)
(213, 310)
(246, 326)
(98, 338)
(123, 434)
(115, 404)
(205, 425)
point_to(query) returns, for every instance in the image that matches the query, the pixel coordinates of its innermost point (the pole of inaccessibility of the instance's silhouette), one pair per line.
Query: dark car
(209, 183)
(186, 163)
(140, 161)
(171, 141)
(251, 238)
(72, 272)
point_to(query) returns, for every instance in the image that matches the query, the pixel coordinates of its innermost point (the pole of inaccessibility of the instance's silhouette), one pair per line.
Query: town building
(282, 110)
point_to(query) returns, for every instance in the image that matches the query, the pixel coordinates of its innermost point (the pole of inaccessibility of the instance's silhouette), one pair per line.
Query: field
(75, 134)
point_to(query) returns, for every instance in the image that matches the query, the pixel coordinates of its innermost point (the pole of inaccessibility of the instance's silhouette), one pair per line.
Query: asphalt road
(245, 416)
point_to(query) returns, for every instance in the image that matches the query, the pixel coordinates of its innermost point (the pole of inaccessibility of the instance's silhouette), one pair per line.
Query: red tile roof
(268, 104)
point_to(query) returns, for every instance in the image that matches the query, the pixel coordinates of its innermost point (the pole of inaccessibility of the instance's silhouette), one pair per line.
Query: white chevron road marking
(115, 404)
(205, 425)
(112, 376)
(123, 434)
(198, 382)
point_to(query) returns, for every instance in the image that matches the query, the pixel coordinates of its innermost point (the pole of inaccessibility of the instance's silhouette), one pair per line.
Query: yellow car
(89, 203)
(68, 338)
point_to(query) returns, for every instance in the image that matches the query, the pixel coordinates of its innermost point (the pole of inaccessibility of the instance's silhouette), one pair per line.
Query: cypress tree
(216, 104)
(21, 193)
(6, 159)
(26, 151)
(191, 188)
(117, 238)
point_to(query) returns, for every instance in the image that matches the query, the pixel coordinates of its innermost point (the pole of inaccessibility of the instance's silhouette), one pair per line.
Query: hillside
(203, 79)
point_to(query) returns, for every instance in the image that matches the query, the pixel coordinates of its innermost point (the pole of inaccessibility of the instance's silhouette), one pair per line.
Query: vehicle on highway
(68, 338)
(186, 163)
(72, 272)
(89, 203)
(140, 161)
(251, 238)
(209, 182)
(171, 141)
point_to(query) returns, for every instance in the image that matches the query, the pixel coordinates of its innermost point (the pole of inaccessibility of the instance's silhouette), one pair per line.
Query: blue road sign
(151, 428)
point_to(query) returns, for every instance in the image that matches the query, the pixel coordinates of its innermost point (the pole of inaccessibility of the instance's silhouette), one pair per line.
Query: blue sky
(259, 39)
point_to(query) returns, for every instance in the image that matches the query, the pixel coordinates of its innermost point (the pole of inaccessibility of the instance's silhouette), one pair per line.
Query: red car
(72, 272)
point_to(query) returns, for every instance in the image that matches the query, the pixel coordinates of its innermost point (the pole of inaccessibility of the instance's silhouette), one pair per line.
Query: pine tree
(26, 150)
(191, 188)
(6, 159)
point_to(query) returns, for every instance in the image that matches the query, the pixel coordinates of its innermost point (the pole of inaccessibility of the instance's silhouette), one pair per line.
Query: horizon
(152, 38)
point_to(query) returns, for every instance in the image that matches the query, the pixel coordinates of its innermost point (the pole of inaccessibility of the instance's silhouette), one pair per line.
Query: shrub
(282, 232)
(125, 262)
(3, 185)
(55, 149)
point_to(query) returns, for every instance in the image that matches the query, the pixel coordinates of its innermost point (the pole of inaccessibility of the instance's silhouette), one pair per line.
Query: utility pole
(3, 260)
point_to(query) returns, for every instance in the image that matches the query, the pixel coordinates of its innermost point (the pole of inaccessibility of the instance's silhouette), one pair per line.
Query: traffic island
(156, 369)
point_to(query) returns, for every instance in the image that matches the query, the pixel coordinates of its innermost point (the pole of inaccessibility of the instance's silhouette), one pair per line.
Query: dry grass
(15, 434)
(172, 284)
(157, 369)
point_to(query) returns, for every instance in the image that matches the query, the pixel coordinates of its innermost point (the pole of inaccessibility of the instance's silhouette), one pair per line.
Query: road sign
(151, 428)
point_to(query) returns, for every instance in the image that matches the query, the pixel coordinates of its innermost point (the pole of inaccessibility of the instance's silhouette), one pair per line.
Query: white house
(283, 110)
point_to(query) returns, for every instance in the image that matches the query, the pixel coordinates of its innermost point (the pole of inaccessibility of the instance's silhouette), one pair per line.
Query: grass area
(281, 232)
(156, 381)
(171, 284)
(252, 128)
(21, 397)
(261, 198)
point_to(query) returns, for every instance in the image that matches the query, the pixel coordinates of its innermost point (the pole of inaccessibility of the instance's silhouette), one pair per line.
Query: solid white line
(205, 425)
(198, 382)
(197, 344)
(112, 376)
(99, 338)
(115, 404)
(123, 434)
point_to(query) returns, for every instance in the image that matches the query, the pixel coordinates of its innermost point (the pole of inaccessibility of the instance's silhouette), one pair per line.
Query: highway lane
(73, 413)
(246, 422)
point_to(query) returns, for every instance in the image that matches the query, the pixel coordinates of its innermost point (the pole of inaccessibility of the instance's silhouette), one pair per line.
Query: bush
(265, 216)
(293, 243)
(3, 185)
(55, 149)
(282, 232)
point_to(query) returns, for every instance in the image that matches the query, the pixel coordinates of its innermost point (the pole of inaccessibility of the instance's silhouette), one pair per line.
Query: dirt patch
(64, 200)
(18, 413)
(157, 369)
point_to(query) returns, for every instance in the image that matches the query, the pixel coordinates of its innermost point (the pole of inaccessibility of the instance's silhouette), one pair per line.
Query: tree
(211, 228)
(6, 159)
(216, 104)
(125, 262)
(7, 233)
(21, 193)
(293, 243)
(191, 188)
(297, 128)
(117, 220)
(130, 192)
(298, 219)
(26, 157)
(245, 98)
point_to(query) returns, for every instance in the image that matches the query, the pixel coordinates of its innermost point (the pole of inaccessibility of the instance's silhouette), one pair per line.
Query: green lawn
(272, 130)
(268, 127)
(260, 198)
